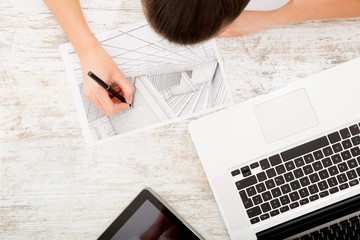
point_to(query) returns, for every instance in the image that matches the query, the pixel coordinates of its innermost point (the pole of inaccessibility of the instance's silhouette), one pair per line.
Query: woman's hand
(92, 57)
(100, 63)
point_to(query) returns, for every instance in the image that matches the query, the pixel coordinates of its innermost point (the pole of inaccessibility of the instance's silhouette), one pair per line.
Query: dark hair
(191, 21)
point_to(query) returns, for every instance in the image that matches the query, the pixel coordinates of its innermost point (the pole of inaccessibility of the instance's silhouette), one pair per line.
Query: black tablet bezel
(150, 195)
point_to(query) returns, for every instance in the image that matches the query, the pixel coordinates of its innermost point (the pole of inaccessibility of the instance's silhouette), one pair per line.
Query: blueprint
(172, 82)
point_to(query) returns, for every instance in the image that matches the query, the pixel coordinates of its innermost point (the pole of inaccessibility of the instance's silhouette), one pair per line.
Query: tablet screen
(147, 218)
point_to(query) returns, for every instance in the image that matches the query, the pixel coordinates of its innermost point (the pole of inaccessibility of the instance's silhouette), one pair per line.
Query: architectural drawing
(171, 81)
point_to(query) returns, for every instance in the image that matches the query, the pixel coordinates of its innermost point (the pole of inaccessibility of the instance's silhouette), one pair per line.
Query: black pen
(107, 87)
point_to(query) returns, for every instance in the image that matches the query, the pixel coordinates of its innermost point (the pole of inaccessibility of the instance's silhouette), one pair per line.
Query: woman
(185, 22)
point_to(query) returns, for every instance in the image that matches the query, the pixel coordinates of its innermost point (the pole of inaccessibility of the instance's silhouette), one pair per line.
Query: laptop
(286, 165)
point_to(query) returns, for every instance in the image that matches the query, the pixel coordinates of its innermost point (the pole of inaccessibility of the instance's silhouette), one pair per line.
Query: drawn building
(171, 81)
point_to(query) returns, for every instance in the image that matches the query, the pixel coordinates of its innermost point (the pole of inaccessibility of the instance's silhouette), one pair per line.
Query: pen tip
(89, 73)
(130, 105)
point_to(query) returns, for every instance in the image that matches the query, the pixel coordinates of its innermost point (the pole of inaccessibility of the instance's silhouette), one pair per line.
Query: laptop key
(317, 166)
(251, 191)
(294, 205)
(279, 180)
(266, 196)
(341, 178)
(351, 174)
(313, 189)
(354, 129)
(303, 192)
(264, 216)
(257, 199)
(322, 185)
(270, 184)
(333, 190)
(324, 194)
(253, 212)
(337, 147)
(260, 187)
(289, 176)
(353, 182)
(345, 133)
(343, 186)
(285, 188)
(314, 197)
(294, 196)
(275, 203)
(304, 201)
(333, 170)
(254, 220)
(355, 140)
(235, 172)
(352, 163)
(323, 174)
(245, 171)
(309, 158)
(246, 201)
(334, 137)
(247, 182)
(327, 151)
(318, 155)
(343, 167)
(326, 162)
(254, 165)
(284, 209)
(304, 181)
(299, 162)
(261, 176)
(271, 173)
(295, 185)
(265, 207)
(276, 192)
(314, 177)
(280, 169)
(274, 213)
(332, 182)
(336, 158)
(264, 164)
(346, 155)
(284, 200)
(305, 148)
(355, 151)
(290, 165)
(307, 169)
(346, 144)
(298, 173)
(358, 171)
(275, 160)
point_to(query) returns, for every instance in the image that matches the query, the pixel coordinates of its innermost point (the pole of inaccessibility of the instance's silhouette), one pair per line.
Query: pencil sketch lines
(171, 81)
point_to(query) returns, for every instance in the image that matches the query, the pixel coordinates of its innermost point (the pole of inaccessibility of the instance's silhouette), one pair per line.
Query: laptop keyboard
(347, 229)
(300, 175)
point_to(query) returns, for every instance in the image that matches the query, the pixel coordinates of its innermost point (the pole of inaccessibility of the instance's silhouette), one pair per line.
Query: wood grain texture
(52, 186)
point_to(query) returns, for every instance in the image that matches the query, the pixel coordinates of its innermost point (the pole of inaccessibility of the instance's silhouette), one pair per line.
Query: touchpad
(286, 115)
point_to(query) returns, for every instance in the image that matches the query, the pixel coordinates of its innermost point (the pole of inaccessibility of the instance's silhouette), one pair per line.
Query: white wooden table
(53, 187)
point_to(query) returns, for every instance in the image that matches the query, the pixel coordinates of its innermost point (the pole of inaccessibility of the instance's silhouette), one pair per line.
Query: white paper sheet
(172, 82)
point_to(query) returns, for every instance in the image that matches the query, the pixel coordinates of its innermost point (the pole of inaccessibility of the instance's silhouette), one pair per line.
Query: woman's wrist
(85, 44)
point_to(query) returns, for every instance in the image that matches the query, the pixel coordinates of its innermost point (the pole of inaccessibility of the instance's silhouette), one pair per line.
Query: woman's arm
(92, 56)
(302, 10)
(69, 15)
(294, 11)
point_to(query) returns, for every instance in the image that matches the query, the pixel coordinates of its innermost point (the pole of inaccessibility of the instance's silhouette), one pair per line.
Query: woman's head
(191, 21)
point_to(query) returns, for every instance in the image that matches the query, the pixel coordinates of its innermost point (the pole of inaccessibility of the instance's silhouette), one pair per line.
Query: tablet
(148, 217)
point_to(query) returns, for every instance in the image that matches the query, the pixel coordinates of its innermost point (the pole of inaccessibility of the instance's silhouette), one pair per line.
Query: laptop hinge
(311, 220)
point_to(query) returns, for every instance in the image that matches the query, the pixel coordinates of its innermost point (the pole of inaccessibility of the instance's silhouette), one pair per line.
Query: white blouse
(265, 5)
